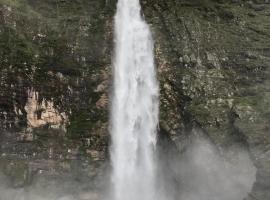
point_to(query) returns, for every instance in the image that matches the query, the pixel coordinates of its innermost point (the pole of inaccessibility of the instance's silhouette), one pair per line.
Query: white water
(135, 106)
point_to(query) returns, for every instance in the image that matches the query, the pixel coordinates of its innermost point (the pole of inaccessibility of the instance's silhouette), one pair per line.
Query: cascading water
(135, 106)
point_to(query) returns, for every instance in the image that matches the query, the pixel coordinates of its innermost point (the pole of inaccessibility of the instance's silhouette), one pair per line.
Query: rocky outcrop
(213, 58)
(55, 59)
(54, 79)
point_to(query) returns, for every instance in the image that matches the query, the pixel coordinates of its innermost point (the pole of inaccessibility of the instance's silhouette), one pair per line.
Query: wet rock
(257, 7)
(26, 137)
(89, 196)
(18, 173)
(193, 59)
(186, 59)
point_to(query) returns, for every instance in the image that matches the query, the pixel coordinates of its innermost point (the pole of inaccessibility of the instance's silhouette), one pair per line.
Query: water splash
(135, 106)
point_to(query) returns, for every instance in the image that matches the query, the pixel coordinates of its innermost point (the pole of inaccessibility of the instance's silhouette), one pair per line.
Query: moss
(13, 3)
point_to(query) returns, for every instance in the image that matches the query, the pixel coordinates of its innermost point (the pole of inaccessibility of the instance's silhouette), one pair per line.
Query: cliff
(213, 65)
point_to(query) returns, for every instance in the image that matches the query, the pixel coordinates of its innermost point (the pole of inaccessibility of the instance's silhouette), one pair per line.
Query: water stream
(135, 106)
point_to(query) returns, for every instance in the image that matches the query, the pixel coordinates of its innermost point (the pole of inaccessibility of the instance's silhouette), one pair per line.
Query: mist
(53, 187)
(201, 172)
(204, 172)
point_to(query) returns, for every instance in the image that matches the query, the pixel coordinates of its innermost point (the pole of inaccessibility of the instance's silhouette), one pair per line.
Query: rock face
(213, 59)
(54, 79)
(213, 62)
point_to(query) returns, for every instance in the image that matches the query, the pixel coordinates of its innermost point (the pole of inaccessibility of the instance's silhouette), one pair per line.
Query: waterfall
(134, 114)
